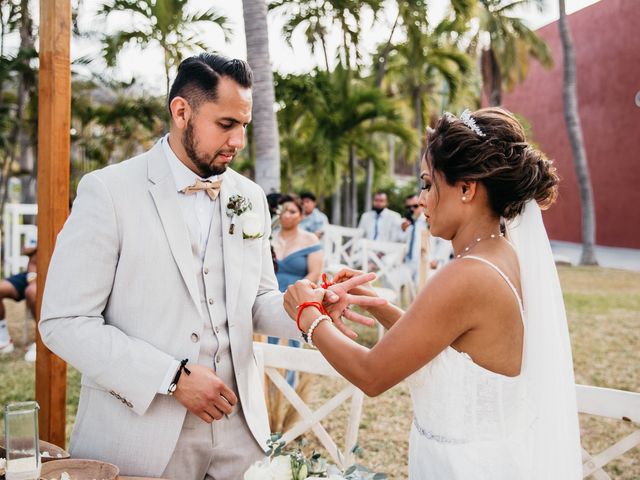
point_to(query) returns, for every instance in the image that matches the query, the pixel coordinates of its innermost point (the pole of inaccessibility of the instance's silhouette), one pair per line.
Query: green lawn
(603, 307)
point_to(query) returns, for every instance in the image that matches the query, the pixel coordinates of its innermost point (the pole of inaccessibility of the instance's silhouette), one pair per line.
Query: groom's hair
(198, 77)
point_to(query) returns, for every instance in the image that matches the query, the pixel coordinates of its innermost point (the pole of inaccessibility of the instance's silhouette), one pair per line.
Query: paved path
(610, 257)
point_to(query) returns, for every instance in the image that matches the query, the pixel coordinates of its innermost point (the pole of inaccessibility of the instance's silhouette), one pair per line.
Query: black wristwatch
(174, 384)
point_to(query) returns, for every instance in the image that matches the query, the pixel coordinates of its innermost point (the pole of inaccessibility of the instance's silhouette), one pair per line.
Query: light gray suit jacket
(121, 302)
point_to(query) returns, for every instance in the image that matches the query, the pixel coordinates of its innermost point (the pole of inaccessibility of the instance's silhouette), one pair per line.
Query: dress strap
(503, 275)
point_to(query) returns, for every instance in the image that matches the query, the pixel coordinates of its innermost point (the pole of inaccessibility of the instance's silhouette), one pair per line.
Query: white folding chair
(617, 404)
(340, 247)
(270, 358)
(17, 235)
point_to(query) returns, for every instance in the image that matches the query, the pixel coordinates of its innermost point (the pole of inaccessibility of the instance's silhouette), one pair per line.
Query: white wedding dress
(469, 422)
(474, 424)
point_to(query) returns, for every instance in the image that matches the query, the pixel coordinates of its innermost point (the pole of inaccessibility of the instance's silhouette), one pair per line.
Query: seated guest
(298, 254)
(314, 220)
(381, 223)
(21, 286)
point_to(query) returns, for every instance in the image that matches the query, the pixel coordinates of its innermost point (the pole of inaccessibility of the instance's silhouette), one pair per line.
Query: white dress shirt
(383, 226)
(197, 210)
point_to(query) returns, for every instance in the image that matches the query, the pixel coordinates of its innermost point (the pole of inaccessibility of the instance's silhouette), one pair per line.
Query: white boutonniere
(240, 208)
(251, 225)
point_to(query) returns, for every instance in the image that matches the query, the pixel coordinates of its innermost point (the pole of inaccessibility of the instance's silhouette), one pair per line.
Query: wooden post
(425, 266)
(54, 122)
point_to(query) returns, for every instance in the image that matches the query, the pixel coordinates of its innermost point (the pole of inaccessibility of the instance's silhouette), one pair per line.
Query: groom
(148, 271)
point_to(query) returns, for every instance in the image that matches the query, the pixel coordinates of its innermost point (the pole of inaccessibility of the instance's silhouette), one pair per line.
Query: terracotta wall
(607, 45)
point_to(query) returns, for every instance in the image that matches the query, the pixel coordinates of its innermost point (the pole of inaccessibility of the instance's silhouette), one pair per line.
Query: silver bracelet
(313, 326)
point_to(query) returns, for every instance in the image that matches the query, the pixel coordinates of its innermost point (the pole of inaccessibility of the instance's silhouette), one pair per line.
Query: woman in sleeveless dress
(298, 255)
(485, 345)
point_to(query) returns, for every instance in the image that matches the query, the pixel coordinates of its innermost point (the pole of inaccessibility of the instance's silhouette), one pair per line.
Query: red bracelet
(304, 305)
(325, 282)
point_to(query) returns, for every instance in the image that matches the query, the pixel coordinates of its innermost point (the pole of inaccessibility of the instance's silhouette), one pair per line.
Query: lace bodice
(458, 401)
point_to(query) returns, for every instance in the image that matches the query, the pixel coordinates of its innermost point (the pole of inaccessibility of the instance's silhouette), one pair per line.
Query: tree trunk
(574, 129)
(25, 89)
(491, 77)
(265, 124)
(368, 194)
(417, 105)
(346, 204)
(336, 207)
(392, 156)
(382, 67)
(353, 163)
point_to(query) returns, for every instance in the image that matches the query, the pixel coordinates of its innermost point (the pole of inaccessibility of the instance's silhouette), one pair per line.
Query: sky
(146, 66)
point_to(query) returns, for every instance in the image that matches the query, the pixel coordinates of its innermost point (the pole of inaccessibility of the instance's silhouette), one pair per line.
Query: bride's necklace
(478, 240)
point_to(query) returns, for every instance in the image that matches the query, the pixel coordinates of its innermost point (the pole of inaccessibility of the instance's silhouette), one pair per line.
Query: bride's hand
(351, 287)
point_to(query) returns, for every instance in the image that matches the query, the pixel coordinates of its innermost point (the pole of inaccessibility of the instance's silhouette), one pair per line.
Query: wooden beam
(54, 122)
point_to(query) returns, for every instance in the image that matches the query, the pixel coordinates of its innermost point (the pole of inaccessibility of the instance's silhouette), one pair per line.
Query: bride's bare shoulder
(463, 282)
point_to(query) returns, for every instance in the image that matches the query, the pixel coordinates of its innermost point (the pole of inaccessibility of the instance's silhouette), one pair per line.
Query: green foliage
(111, 121)
(320, 116)
(314, 465)
(167, 23)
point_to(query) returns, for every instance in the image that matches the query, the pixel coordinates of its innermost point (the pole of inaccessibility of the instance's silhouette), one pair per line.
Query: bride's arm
(441, 313)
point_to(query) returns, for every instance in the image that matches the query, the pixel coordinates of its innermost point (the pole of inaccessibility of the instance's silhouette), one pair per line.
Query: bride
(484, 346)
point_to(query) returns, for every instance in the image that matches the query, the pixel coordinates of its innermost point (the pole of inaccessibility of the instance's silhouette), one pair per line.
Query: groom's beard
(203, 163)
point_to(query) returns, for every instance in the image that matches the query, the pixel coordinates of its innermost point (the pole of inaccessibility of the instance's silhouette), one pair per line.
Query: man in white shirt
(414, 223)
(380, 223)
(159, 279)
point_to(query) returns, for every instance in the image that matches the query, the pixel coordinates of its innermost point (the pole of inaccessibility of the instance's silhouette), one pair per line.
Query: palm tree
(574, 129)
(166, 23)
(265, 126)
(17, 99)
(326, 127)
(320, 16)
(505, 59)
(418, 66)
(110, 122)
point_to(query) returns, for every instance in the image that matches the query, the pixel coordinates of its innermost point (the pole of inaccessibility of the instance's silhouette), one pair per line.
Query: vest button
(211, 301)
(195, 337)
(217, 329)
(206, 270)
(218, 359)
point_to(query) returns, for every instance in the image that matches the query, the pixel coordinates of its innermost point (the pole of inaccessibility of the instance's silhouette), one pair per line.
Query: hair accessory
(469, 121)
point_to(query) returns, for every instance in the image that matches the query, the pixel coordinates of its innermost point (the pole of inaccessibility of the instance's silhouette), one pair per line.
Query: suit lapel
(232, 244)
(163, 192)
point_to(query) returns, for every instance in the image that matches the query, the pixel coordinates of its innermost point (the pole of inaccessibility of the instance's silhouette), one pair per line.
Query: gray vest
(215, 351)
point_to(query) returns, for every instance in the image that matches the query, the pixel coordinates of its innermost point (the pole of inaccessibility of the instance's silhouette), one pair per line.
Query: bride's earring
(464, 199)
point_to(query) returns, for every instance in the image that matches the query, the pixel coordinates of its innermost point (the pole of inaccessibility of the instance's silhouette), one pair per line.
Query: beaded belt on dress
(433, 436)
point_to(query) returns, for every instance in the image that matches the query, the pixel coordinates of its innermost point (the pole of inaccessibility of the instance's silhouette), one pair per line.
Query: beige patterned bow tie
(212, 188)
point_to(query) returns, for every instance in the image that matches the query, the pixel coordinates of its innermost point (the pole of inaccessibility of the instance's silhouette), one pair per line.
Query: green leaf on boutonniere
(257, 235)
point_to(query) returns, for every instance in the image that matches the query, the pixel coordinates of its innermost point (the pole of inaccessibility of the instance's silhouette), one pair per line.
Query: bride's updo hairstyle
(489, 146)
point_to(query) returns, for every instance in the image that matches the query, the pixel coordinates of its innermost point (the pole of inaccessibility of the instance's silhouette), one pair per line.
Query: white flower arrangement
(240, 207)
(292, 464)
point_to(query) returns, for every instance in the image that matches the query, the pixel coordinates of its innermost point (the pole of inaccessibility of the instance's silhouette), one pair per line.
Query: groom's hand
(204, 394)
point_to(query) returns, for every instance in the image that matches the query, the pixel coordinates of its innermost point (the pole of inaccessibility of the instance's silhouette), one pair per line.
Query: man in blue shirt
(314, 220)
